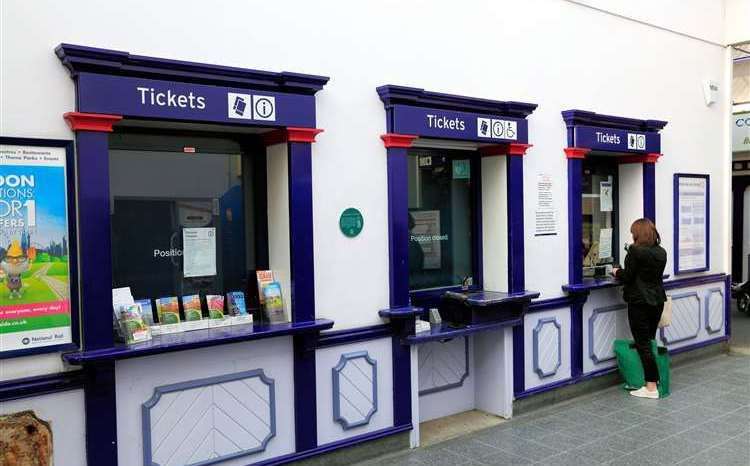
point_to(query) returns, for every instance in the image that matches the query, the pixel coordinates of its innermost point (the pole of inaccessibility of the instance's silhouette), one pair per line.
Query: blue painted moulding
(351, 393)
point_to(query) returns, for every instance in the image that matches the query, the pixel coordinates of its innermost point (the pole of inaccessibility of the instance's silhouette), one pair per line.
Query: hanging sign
(741, 132)
(35, 305)
(616, 140)
(446, 124)
(351, 222)
(153, 98)
(691, 196)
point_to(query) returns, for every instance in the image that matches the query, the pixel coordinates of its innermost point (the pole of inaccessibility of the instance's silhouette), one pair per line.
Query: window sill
(196, 339)
(589, 284)
(445, 332)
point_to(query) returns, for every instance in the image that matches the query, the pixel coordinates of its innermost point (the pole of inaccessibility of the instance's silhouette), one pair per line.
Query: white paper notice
(426, 232)
(546, 215)
(605, 196)
(199, 252)
(692, 239)
(605, 243)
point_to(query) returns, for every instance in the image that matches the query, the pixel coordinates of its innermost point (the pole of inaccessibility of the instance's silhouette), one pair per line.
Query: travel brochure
(136, 321)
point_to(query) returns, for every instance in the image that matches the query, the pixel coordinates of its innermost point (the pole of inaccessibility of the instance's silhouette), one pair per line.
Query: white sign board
(741, 132)
(199, 252)
(546, 215)
(692, 223)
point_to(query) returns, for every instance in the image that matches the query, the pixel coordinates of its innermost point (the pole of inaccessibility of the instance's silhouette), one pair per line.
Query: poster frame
(676, 220)
(70, 179)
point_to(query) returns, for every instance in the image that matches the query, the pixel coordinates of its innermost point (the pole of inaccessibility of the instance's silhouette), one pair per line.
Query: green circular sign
(351, 222)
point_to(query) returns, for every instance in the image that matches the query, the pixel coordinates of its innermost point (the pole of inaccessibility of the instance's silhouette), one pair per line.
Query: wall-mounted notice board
(691, 223)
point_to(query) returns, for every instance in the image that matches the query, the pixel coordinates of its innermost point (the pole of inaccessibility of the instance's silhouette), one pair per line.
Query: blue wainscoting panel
(714, 309)
(686, 318)
(603, 332)
(355, 389)
(443, 365)
(547, 347)
(207, 421)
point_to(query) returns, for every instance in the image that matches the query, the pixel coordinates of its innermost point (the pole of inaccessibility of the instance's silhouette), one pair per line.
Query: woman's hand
(614, 271)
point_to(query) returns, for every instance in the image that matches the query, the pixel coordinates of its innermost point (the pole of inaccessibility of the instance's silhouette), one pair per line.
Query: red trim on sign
(576, 152)
(291, 134)
(91, 121)
(647, 158)
(398, 140)
(515, 148)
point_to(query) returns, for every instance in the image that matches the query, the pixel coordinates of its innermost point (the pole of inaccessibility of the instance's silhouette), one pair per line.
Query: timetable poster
(692, 238)
(34, 276)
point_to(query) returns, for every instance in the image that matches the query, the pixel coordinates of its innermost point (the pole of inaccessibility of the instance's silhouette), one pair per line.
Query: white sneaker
(643, 392)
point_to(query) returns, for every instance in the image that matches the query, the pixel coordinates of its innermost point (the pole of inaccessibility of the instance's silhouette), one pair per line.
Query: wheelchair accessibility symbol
(264, 108)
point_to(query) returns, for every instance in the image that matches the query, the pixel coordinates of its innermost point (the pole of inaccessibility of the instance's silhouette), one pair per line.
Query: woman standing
(644, 293)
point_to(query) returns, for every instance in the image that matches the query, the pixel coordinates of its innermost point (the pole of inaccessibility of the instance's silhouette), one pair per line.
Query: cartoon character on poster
(14, 264)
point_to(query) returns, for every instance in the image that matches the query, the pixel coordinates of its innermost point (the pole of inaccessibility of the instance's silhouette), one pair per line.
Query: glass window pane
(155, 197)
(441, 246)
(599, 205)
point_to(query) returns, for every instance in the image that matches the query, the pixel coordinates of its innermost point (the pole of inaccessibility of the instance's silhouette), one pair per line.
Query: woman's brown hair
(644, 232)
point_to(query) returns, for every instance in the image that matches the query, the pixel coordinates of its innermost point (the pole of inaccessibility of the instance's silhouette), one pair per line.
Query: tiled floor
(706, 421)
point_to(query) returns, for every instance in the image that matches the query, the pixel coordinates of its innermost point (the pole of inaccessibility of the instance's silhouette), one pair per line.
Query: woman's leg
(643, 330)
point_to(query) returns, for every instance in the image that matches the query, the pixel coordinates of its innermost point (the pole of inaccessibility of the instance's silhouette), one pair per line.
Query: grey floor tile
(504, 458)
(631, 418)
(561, 442)
(598, 451)
(627, 445)
(718, 457)
(704, 435)
(717, 426)
(569, 459)
(740, 422)
(646, 435)
(433, 456)
(666, 427)
(672, 450)
(471, 449)
(495, 437)
(527, 449)
(692, 415)
(634, 459)
(403, 460)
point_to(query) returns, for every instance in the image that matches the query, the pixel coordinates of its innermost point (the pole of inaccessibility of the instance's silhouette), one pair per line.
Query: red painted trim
(515, 148)
(291, 134)
(576, 152)
(647, 158)
(398, 140)
(494, 149)
(91, 121)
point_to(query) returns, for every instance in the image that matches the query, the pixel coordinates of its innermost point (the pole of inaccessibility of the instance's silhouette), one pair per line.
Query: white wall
(702, 19)
(555, 53)
(737, 21)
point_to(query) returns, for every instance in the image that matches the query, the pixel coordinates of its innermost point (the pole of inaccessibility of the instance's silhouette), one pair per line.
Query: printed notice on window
(546, 215)
(693, 213)
(605, 196)
(605, 243)
(199, 252)
(426, 232)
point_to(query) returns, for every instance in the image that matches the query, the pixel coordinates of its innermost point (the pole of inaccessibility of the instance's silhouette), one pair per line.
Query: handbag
(666, 313)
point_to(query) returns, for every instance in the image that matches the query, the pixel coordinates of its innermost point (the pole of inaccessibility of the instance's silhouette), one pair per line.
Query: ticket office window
(181, 221)
(442, 218)
(600, 210)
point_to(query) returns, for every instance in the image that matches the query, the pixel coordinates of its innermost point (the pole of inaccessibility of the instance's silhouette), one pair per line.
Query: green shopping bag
(631, 369)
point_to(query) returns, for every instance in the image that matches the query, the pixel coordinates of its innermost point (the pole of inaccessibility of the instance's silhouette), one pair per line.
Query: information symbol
(264, 107)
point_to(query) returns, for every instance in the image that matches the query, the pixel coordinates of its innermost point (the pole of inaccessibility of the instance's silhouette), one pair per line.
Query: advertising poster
(692, 225)
(34, 273)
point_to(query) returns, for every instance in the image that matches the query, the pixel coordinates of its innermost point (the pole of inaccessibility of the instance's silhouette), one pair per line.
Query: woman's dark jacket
(642, 275)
